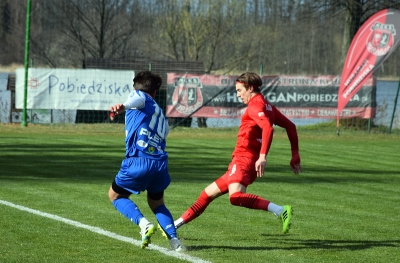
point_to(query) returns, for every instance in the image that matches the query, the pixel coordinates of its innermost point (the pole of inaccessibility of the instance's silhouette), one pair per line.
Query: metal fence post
(394, 108)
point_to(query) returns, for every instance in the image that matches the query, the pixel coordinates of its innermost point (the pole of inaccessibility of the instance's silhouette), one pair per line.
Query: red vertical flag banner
(377, 38)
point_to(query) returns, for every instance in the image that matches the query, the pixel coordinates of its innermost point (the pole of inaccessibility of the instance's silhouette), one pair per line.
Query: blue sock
(129, 209)
(165, 220)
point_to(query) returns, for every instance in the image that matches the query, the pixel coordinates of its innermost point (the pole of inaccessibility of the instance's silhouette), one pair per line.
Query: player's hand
(296, 168)
(295, 163)
(260, 165)
(117, 109)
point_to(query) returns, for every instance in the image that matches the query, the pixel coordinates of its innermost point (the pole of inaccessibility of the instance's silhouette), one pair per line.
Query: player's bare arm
(117, 108)
(290, 128)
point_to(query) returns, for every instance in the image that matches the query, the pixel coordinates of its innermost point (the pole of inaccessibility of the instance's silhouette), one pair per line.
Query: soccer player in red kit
(249, 157)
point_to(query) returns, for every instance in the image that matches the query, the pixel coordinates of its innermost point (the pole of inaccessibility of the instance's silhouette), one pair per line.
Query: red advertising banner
(214, 96)
(373, 43)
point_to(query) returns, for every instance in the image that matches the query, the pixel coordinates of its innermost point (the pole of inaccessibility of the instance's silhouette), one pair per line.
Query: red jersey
(255, 131)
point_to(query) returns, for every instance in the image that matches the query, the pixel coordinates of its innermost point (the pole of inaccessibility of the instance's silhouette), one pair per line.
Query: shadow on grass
(60, 161)
(299, 244)
(102, 161)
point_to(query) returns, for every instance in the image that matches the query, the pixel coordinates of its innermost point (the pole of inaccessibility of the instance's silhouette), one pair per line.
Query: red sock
(197, 208)
(261, 204)
(251, 201)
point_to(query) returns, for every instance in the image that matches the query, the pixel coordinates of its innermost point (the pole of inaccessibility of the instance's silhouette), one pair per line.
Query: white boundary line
(100, 231)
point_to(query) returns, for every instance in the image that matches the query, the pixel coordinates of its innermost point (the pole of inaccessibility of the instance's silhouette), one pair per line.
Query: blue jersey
(146, 127)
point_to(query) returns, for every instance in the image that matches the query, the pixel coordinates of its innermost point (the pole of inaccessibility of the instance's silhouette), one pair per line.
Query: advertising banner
(73, 89)
(214, 96)
(373, 43)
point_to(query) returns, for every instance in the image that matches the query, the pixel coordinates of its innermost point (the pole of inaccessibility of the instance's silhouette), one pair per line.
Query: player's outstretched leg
(286, 217)
(195, 210)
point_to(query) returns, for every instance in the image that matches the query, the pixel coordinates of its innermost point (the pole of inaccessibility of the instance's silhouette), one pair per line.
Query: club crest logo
(187, 96)
(381, 40)
(151, 150)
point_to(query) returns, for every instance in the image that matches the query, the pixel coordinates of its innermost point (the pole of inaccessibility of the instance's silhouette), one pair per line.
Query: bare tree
(204, 31)
(83, 29)
(355, 13)
(13, 34)
(229, 36)
(4, 19)
(196, 32)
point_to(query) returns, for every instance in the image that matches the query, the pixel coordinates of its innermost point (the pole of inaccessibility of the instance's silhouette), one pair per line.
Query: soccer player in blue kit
(145, 166)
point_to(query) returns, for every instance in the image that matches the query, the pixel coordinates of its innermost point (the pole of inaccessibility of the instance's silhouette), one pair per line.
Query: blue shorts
(138, 174)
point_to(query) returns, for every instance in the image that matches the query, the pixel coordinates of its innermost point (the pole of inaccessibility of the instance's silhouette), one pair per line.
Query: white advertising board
(73, 89)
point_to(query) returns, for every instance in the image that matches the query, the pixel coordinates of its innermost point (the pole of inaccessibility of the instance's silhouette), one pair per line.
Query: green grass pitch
(346, 201)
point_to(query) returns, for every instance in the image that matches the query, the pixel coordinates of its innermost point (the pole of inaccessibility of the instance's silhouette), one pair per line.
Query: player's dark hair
(250, 79)
(147, 82)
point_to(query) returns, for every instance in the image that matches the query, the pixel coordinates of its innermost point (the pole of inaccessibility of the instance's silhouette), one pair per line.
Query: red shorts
(241, 170)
